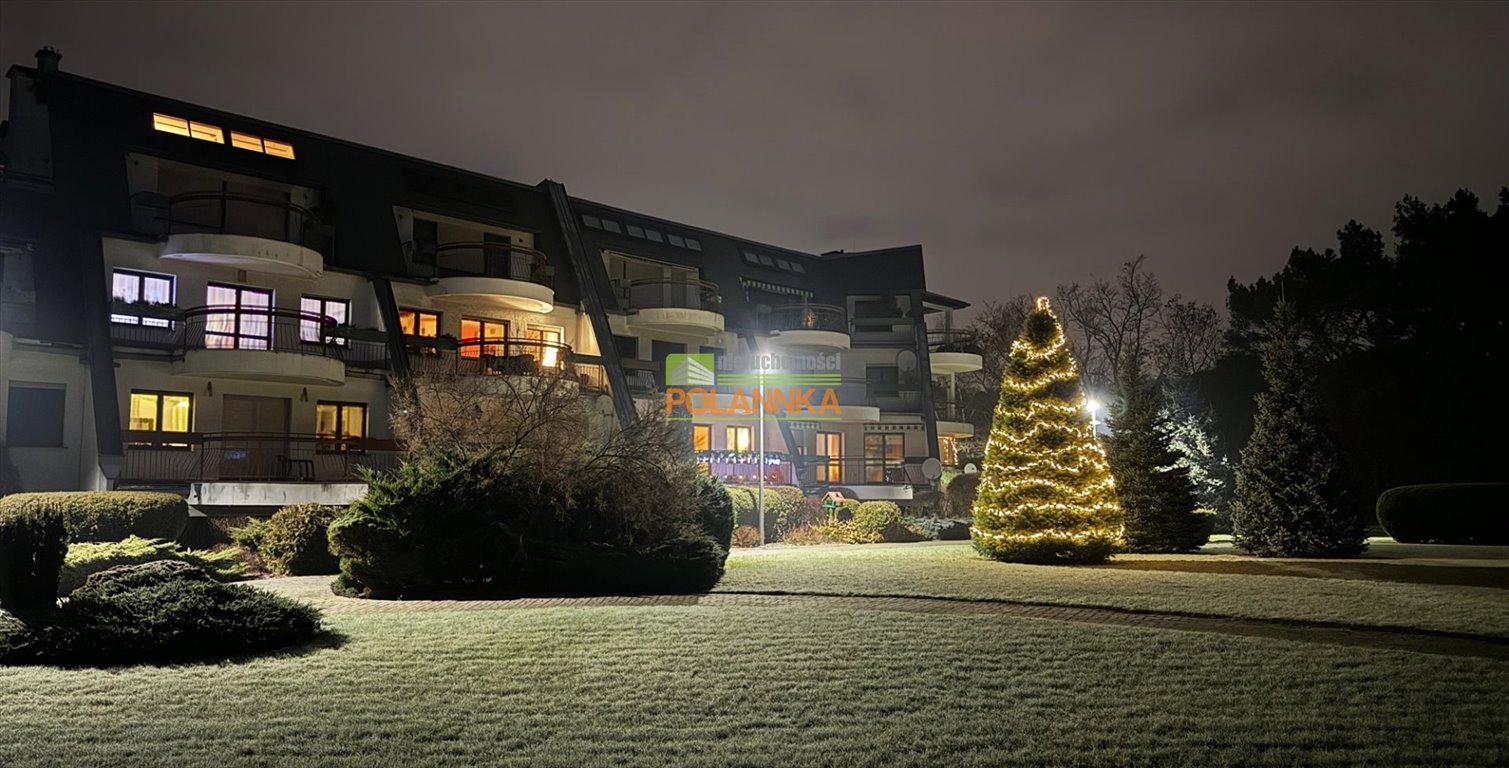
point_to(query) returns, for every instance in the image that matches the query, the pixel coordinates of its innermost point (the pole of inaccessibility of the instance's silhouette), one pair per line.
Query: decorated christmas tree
(1046, 493)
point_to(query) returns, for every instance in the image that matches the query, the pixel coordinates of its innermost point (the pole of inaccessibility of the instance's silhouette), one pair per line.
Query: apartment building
(204, 302)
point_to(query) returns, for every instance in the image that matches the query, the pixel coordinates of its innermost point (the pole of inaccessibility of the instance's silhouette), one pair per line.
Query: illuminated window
(883, 454)
(740, 439)
(335, 309)
(474, 329)
(160, 412)
(702, 437)
(245, 323)
(830, 446)
(547, 354)
(340, 421)
(190, 128)
(247, 141)
(417, 322)
(134, 287)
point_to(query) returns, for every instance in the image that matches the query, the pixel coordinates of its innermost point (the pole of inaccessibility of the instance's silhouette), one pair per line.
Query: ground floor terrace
(915, 654)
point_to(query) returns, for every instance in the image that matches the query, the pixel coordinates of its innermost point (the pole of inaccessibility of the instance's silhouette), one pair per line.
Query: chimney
(47, 60)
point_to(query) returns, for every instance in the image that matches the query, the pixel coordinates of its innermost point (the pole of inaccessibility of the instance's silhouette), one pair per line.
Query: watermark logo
(684, 370)
(753, 387)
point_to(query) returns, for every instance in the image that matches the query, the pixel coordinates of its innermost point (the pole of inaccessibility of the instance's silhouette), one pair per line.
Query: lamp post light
(1092, 405)
(760, 499)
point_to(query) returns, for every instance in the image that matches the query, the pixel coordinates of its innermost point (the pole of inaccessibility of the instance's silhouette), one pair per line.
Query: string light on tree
(1046, 493)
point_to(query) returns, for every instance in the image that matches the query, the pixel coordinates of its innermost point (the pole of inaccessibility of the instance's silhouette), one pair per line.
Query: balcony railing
(173, 457)
(857, 470)
(952, 340)
(948, 410)
(501, 260)
(270, 329)
(673, 293)
(237, 213)
(495, 357)
(807, 317)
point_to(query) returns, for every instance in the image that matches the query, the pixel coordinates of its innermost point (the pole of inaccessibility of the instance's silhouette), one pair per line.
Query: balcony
(950, 419)
(867, 478)
(682, 307)
(808, 328)
(168, 458)
(951, 351)
(492, 357)
(502, 275)
(251, 232)
(277, 345)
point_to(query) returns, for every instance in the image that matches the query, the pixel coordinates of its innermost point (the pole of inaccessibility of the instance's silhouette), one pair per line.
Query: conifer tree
(1046, 493)
(1154, 489)
(1290, 500)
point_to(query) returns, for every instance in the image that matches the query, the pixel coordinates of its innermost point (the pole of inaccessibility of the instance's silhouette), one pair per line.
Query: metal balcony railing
(495, 357)
(270, 329)
(952, 340)
(807, 317)
(238, 213)
(182, 457)
(673, 293)
(484, 259)
(856, 470)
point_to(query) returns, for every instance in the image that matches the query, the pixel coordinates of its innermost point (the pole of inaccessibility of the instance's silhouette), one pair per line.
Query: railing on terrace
(948, 410)
(858, 470)
(258, 328)
(239, 213)
(807, 317)
(485, 259)
(495, 357)
(180, 457)
(673, 293)
(952, 340)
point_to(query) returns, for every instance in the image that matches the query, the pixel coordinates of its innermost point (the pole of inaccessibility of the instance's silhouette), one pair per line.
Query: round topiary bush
(874, 519)
(1446, 513)
(109, 515)
(296, 540)
(959, 496)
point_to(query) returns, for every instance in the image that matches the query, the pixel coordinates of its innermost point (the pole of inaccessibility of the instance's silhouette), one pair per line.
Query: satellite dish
(932, 469)
(970, 469)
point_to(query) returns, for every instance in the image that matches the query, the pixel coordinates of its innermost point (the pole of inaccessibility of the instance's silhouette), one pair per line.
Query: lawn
(1381, 590)
(780, 685)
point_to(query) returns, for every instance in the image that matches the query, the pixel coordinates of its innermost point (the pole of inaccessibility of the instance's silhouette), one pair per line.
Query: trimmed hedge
(874, 519)
(86, 559)
(108, 515)
(937, 528)
(33, 541)
(1446, 513)
(161, 611)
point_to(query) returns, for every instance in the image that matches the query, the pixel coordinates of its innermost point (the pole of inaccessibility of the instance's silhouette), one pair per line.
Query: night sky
(1022, 145)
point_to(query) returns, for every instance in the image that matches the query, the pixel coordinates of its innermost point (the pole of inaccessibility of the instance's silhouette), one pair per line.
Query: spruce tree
(1290, 500)
(1192, 435)
(1046, 493)
(1155, 490)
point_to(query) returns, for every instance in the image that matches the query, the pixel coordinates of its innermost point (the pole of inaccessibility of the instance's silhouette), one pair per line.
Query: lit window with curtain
(547, 354)
(740, 439)
(244, 323)
(164, 412)
(336, 422)
(132, 287)
(311, 330)
(477, 329)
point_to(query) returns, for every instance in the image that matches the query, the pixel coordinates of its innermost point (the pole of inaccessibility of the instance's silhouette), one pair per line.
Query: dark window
(750, 257)
(35, 416)
(693, 244)
(426, 240)
(591, 221)
(627, 346)
(660, 350)
(885, 380)
(651, 234)
(611, 226)
(676, 241)
(783, 264)
(796, 266)
(635, 231)
(766, 260)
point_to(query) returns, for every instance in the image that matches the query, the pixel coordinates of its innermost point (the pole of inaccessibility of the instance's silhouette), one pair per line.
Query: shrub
(874, 518)
(109, 515)
(959, 496)
(1446, 513)
(846, 512)
(159, 612)
(86, 559)
(33, 541)
(937, 528)
(716, 508)
(429, 526)
(813, 534)
(783, 508)
(295, 541)
(679, 566)
(251, 535)
(746, 536)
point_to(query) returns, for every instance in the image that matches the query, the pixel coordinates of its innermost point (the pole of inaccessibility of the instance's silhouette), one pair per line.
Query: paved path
(316, 591)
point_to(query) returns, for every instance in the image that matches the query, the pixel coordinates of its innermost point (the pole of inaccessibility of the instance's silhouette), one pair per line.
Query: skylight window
(189, 128)
(592, 221)
(252, 143)
(693, 244)
(635, 231)
(611, 226)
(676, 241)
(651, 234)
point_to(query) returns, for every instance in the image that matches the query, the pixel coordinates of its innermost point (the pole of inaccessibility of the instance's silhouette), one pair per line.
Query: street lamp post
(760, 466)
(1092, 405)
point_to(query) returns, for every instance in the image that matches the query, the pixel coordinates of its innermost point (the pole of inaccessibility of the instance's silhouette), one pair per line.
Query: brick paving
(316, 591)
